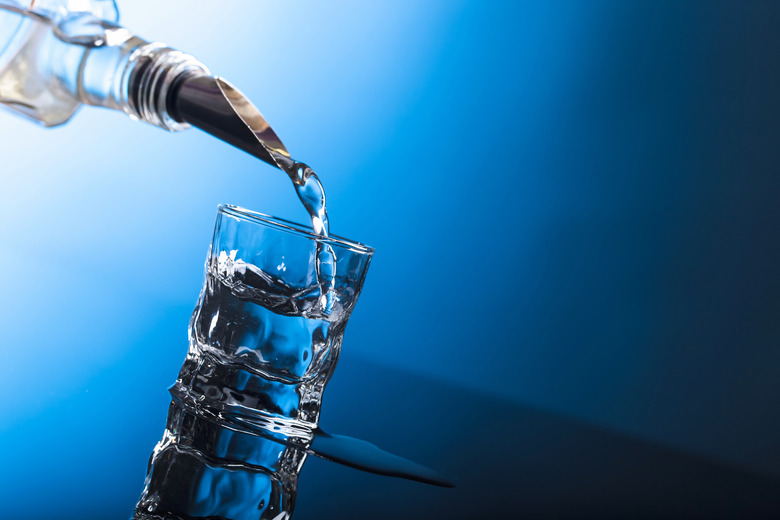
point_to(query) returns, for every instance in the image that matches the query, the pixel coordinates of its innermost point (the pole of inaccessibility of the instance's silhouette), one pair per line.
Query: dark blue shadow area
(510, 461)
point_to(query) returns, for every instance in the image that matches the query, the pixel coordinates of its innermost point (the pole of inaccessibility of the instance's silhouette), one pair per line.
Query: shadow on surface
(509, 461)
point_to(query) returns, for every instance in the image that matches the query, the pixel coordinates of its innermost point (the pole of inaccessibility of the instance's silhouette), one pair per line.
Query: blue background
(574, 207)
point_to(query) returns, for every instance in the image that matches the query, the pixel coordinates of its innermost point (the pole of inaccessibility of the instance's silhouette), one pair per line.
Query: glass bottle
(56, 55)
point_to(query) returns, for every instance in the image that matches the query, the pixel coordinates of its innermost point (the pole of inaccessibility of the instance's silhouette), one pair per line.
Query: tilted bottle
(57, 55)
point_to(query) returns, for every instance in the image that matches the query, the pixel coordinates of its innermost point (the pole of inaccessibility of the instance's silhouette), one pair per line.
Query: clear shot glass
(264, 341)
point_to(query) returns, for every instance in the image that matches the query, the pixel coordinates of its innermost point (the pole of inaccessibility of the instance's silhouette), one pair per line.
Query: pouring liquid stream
(312, 195)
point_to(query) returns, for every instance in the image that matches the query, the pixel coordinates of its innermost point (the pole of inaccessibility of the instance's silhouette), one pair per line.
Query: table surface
(509, 461)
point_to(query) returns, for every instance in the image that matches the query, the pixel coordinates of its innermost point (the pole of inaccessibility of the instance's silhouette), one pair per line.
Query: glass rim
(293, 228)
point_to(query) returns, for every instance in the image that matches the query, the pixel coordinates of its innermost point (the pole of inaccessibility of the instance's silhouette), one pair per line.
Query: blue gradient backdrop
(574, 207)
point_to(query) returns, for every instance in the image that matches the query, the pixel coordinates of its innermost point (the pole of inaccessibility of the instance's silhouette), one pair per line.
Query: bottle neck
(50, 65)
(137, 78)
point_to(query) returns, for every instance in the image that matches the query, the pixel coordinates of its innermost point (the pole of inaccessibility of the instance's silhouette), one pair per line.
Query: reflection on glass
(264, 341)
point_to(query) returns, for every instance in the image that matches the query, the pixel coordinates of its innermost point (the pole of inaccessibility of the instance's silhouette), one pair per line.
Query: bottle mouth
(293, 228)
(155, 75)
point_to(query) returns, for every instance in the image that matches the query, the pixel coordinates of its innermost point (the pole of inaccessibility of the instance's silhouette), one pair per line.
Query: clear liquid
(312, 195)
(247, 400)
(201, 469)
